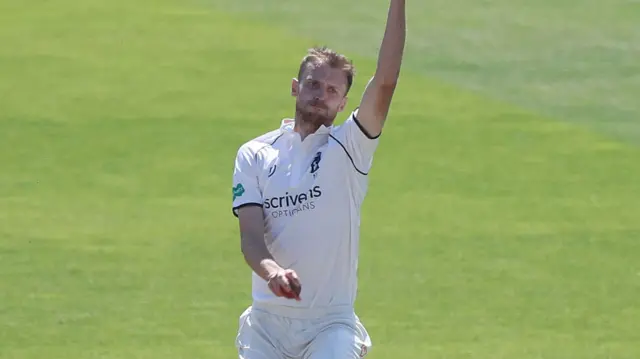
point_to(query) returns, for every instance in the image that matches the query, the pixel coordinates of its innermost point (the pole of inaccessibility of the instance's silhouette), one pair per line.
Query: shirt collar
(288, 124)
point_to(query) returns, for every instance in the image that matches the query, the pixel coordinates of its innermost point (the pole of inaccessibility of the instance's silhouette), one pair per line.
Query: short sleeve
(246, 190)
(359, 145)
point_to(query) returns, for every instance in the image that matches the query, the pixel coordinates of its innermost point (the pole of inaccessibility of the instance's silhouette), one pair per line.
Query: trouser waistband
(303, 312)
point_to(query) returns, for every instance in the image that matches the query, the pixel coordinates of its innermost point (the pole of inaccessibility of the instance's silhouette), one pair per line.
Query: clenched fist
(285, 283)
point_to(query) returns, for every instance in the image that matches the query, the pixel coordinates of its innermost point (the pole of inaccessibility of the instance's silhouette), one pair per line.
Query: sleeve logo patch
(238, 191)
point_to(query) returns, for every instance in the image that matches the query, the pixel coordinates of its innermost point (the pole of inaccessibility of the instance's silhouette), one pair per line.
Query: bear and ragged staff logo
(315, 164)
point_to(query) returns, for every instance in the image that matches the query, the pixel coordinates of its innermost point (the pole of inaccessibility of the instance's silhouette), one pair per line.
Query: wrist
(269, 268)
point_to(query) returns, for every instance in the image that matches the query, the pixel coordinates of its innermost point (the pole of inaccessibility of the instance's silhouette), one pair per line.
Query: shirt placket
(297, 157)
(300, 152)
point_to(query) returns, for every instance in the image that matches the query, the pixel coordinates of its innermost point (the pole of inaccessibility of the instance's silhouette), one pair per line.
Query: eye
(332, 90)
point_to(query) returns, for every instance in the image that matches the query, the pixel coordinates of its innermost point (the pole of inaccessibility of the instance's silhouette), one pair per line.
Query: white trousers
(269, 332)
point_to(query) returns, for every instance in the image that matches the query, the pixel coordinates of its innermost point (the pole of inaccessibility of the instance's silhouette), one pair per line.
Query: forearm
(252, 243)
(257, 255)
(393, 42)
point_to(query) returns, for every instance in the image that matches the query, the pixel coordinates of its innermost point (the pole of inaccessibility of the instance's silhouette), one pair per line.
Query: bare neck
(304, 129)
(306, 125)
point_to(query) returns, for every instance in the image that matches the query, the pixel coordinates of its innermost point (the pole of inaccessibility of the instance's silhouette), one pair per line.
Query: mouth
(318, 106)
(318, 111)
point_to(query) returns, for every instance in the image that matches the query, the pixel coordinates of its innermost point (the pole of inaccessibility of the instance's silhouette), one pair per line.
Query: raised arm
(376, 101)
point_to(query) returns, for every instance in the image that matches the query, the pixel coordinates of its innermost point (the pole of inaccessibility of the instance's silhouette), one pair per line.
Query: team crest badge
(315, 165)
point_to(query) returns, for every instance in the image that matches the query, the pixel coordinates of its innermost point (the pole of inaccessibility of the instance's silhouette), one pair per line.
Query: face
(320, 94)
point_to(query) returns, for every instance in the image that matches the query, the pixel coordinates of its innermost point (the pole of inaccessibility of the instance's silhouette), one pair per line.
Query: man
(297, 193)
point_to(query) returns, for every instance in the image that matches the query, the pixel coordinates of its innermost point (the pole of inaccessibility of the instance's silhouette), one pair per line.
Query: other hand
(285, 283)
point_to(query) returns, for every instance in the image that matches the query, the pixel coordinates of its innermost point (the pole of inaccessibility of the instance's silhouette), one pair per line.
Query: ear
(294, 87)
(343, 104)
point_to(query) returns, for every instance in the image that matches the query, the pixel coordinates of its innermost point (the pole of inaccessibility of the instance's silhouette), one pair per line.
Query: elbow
(387, 79)
(249, 248)
(391, 80)
(389, 85)
(247, 254)
(245, 247)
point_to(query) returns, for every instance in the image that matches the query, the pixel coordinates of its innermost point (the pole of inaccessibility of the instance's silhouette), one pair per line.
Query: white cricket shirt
(311, 192)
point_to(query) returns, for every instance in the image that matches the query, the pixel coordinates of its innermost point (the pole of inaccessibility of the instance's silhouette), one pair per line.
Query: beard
(314, 116)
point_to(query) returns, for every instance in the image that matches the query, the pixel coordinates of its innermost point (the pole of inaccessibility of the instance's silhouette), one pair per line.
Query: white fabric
(311, 192)
(265, 335)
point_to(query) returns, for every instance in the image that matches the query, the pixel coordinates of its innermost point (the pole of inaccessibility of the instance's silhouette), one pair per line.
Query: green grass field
(503, 215)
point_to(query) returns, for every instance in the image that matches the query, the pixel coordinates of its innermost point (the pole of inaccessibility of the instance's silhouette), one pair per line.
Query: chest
(290, 169)
(294, 177)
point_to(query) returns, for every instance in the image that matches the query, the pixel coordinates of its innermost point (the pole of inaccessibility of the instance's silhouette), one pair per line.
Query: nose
(320, 94)
(318, 100)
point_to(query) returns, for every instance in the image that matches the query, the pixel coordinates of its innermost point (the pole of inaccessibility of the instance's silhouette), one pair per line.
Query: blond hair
(322, 54)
